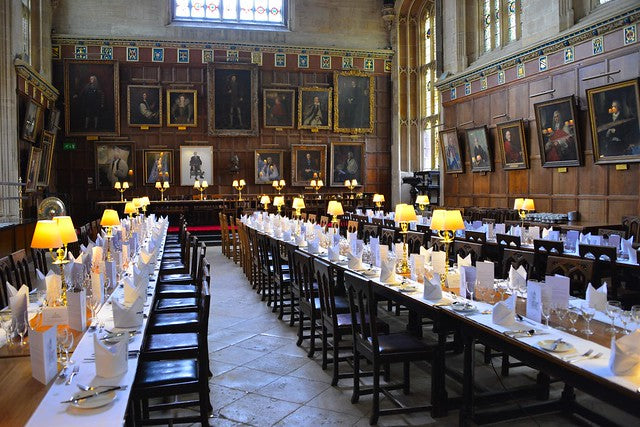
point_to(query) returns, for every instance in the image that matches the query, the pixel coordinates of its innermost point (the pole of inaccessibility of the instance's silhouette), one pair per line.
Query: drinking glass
(22, 327)
(8, 326)
(66, 346)
(546, 313)
(625, 319)
(587, 314)
(62, 336)
(561, 313)
(612, 310)
(635, 315)
(573, 315)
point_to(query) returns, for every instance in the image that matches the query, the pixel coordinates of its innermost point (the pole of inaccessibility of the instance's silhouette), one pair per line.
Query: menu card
(77, 310)
(111, 275)
(468, 276)
(534, 300)
(42, 349)
(438, 261)
(485, 274)
(500, 228)
(559, 289)
(55, 316)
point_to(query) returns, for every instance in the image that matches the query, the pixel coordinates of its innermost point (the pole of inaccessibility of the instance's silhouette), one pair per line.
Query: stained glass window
(257, 12)
(430, 111)
(500, 23)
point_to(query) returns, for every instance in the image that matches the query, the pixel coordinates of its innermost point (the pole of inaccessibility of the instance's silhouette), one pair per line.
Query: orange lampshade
(66, 228)
(335, 208)
(46, 235)
(298, 203)
(517, 204)
(422, 199)
(264, 200)
(528, 205)
(447, 220)
(117, 185)
(196, 184)
(137, 202)
(109, 218)
(278, 200)
(405, 213)
(378, 198)
(130, 208)
(145, 201)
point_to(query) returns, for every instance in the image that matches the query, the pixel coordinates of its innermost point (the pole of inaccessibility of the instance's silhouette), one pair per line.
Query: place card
(468, 276)
(55, 316)
(485, 274)
(500, 228)
(77, 310)
(110, 272)
(559, 289)
(534, 301)
(42, 349)
(97, 285)
(438, 261)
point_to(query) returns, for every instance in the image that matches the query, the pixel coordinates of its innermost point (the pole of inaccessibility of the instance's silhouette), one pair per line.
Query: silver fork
(585, 354)
(594, 356)
(76, 369)
(91, 388)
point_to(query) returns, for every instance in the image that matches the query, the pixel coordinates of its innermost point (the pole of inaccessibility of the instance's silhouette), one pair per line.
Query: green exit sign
(68, 146)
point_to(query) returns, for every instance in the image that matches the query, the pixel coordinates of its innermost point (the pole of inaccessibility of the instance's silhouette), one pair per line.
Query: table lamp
(298, 205)
(523, 206)
(278, 201)
(422, 201)
(316, 184)
(130, 209)
(265, 200)
(145, 202)
(351, 185)
(109, 220)
(378, 199)
(279, 185)
(334, 209)
(121, 187)
(47, 236)
(201, 187)
(162, 186)
(239, 185)
(446, 223)
(404, 215)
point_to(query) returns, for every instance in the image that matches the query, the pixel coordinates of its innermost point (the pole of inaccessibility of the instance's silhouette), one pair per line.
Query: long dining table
(592, 376)
(28, 402)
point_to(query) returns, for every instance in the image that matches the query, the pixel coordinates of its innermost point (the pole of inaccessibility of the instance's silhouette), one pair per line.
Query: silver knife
(89, 396)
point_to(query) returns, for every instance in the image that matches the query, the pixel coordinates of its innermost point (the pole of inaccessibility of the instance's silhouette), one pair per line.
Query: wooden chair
(516, 258)
(39, 257)
(281, 278)
(415, 240)
(436, 243)
(308, 302)
(508, 240)
(303, 216)
(388, 236)
(604, 264)
(20, 266)
(225, 240)
(6, 276)
(631, 224)
(475, 236)
(377, 221)
(379, 349)
(542, 249)
(266, 268)
(579, 271)
(606, 232)
(464, 249)
(388, 223)
(312, 218)
(352, 226)
(370, 230)
(324, 220)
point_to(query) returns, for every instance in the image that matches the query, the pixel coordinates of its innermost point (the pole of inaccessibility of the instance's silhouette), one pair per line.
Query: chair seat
(344, 321)
(172, 265)
(176, 303)
(342, 304)
(168, 290)
(175, 277)
(173, 341)
(162, 372)
(186, 320)
(400, 343)
(172, 257)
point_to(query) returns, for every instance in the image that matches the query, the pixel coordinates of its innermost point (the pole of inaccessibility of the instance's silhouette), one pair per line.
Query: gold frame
(49, 139)
(336, 103)
(30, 185)
(292, 107)
(443, 150)
(485, 136)
(160, 106)
(329, 109)
(511, 125)
(322, 167)
(31, 136)
(145, 164)
(257, 153)
(194, 92)
(362, 175)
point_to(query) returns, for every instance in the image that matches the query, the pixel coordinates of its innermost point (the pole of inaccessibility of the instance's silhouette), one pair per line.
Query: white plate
(463, 307)
(549, 346)
(94, 402)
(370, 273)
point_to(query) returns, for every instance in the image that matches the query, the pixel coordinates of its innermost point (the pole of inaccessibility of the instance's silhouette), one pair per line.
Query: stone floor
(261, 378)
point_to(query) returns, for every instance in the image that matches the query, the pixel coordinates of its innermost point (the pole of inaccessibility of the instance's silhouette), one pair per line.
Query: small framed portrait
(92, 98)
(158, 166)
(268, 166)
(278, 108)
(232, 99)
(196, 162)
(33, 167)
(354, 99)
(315, 105)
(451, 154)
(308, 162)
(31, 120)
(47, 142)
(115, 161)
(347, 162)
(615, 122)
(513, 145)
(53, 122)
(144, 105)
(479, 150)
(182, 107)
(556, 127)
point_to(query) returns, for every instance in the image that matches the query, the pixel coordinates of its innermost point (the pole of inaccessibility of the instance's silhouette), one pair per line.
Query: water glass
(635, 315)
(573, 316)
(587, 314)
(9, 329)
(561, 313)
(625, 319)
(22, 327)
(546, 313)
(612, 310)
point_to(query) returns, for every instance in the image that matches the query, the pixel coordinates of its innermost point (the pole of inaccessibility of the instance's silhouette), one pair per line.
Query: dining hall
(337, 212)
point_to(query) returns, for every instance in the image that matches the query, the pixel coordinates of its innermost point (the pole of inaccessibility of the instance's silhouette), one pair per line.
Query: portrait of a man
(278, 108)
(182, 108)
(308, 162)
(354, 93)
(144, 105)
(451, 151)
(479, 151)
(615, 122)
(556, 126)
(158, 166)
(232, 100)
(314, 108)
(196, 163)
(512, 142)
(347, 162)
(92, 98)
(30, 123)
(113, 162)
(33, 167)
(268, 166)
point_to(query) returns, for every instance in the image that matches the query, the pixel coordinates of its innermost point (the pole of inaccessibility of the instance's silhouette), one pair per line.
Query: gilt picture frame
(513, 145)
(354, 109)
(556, 125)
(451, 154)
(308, 162)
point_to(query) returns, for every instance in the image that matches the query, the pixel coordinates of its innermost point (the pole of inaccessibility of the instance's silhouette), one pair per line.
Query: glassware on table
(547, 309)
(587, 313)
(65, 342)
(635, 315)
(9, 328)
(612, 310)
(22, 327)
(625, 319)
(94, 304)
(573, 316)
(561, 313)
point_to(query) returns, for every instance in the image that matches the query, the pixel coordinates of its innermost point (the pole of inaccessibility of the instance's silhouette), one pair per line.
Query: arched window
(430, 110)
(271, 13)
(500, 23)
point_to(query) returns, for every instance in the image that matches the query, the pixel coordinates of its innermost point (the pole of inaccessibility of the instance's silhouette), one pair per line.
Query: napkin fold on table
(504, 312)
(111, 361)
(625, 354)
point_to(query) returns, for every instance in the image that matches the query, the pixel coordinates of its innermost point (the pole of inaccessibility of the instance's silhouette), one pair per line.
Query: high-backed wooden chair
(475, 236)
(20, 265)
(542, 249)
(415, 240)
(464, 249)
(352, 226)
(388, 236)
(39, 257)
(377, 221)
(631, 223)
(281, 278)
(6, 276)
(312, 218)
(307, 307)
(324, 220)
(579, 271)
(604, 264)
(516, 258)
(370, 230)
(508, 240)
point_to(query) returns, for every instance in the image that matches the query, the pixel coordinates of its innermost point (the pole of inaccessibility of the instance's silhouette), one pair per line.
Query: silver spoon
(91, 388)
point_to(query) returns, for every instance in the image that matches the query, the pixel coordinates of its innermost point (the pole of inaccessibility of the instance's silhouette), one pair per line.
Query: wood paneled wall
(598, 192)
(74, 167)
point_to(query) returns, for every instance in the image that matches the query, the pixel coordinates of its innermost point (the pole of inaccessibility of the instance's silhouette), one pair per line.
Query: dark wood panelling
(598, 192)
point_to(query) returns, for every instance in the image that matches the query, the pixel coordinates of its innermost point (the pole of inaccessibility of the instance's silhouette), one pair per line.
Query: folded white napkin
(384, 254)
(313, 245)
(545, 232)
(334, 253)
(18, 301)
(398, 250)
(100, 241)
(515, 230)
(438, 261)
(627, 248)
(97, 258)
(354, 260)
(504, 312)
(584, 238)
(286, 235)
(111, 361)
(388, 270)
(41, 282)
(54, 287)
(613, 240)
(140, 279)
(432, 288)
(147, 257)
(299, 239)
(597, 298)
(97, 284)
(131, 292)
(374, 247)
(417, 266)
(625, 354)
(517, 278)
(127, 316)
(426, 253)
(464, 262)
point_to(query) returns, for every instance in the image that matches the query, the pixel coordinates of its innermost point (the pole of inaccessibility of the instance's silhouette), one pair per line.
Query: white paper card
(42, 349)
(534, 301)
(77, 310)
(55, 316)
(485, 274)
(438, 261)
(560, 286)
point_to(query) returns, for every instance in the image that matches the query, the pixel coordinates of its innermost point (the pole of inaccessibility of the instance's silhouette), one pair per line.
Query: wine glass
(546, 313)
(8, 326)
(22, 327)
(625, 319)
(635, 315)
(62, 337)
(573, 315)
(587, 314)
(472, 289)
(66, 346)
(561, 313)
(612, 310)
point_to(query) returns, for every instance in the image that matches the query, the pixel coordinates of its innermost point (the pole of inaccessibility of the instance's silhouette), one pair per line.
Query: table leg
(466, 410)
